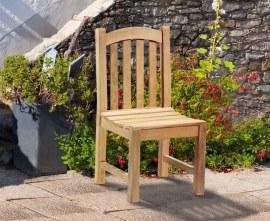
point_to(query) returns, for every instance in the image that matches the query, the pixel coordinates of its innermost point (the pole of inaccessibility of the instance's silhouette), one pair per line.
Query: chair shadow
(174, 199)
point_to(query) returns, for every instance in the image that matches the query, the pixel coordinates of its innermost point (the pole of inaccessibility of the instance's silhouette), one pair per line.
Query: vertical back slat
(152, 74)
(140, 73)
(166, 69)
(127, 74)
(101, 71)
(114, 76)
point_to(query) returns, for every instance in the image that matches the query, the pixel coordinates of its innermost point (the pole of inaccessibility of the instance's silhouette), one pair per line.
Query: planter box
(35, 150)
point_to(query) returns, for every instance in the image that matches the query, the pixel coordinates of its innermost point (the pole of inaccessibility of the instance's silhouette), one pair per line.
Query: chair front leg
(101, 139)
(199, 161)
(134, 167)
(162, 165)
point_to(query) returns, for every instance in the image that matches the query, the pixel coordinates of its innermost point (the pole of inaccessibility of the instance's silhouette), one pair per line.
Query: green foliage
(21, 80)
(244, 145)
(19, 77)
(201, 50)
(117, 154)
(200, 97)
(79, 148)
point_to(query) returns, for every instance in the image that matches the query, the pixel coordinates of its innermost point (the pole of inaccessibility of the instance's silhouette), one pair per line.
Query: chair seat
(150, 118)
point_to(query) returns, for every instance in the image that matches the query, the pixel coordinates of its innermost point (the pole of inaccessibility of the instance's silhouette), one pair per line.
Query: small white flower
(222, 12)
(219, 48)
(214, 5)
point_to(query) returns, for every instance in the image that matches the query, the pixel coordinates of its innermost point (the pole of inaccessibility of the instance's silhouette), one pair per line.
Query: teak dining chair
(141, 123)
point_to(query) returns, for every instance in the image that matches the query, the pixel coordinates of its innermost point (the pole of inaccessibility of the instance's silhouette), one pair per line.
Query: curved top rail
(133, 33)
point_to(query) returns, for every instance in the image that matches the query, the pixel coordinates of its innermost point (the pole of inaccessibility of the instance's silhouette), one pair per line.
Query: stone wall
(245, 28)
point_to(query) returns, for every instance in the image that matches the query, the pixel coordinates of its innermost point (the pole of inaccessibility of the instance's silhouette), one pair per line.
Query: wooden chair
(140, 123)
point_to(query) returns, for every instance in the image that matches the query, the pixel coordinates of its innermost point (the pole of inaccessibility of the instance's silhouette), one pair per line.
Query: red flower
(241, 90)
(191, 78)
(171, 150)
(119, 94)
(206, 95)
(261, 155)
(180, 63)
(121, 161)
(120, 104)
(182, 106)
(155, 160)
(234, 112)
(253, 76)
(228, 170)
(153, 175)
(145, 82)
(218, 120)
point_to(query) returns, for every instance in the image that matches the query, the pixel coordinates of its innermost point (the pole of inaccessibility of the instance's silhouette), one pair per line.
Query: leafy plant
(79, 148)
(21, 80)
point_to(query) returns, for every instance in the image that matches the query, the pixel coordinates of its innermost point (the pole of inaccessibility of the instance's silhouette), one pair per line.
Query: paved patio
(232, 196)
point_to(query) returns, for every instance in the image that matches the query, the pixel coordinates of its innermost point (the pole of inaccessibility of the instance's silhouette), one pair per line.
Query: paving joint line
(25, 198)
(50, 192)
(49, 180)
(31, 210)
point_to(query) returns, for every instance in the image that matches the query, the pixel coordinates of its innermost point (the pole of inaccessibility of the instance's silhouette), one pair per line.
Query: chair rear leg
(162, 165)
(101, 139)
(134, 168)
(199, 161)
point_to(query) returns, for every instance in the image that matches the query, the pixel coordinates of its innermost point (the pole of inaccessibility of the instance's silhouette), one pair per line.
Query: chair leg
(162, 165)
(134, 168)
(199, 161)
(101, 139)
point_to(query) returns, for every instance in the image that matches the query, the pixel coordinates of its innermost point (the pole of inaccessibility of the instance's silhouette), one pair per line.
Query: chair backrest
(110, 44)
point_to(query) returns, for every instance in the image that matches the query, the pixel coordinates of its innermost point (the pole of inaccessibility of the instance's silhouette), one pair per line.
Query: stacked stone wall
(246, 30)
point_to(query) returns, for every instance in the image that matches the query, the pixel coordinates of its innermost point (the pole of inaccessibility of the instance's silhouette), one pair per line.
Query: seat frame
(136, 132)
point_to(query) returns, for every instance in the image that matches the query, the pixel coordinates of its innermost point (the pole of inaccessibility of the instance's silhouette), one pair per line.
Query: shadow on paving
(9, 175)
(168, 199)
(174, 200)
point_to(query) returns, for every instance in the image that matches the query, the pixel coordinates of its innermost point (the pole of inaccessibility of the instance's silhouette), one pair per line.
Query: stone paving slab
(146, 215)
(6, 180)
(233, 196)
(91, 216)
(54, 206)
(252, 217)
(265, 198)
(12, 173)
(36, 219)
(163, 194)
(204, 209)
(22, 191)
(218, 208)
(248, 201)
(110, 201)
(228, 183)
(146, 181)
(65, 176)
(12, 211)
(260, 178)
(260, 193)
(71, 187)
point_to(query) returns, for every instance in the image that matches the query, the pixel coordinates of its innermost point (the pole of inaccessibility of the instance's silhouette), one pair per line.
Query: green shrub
(21, 80)
(79, 148)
